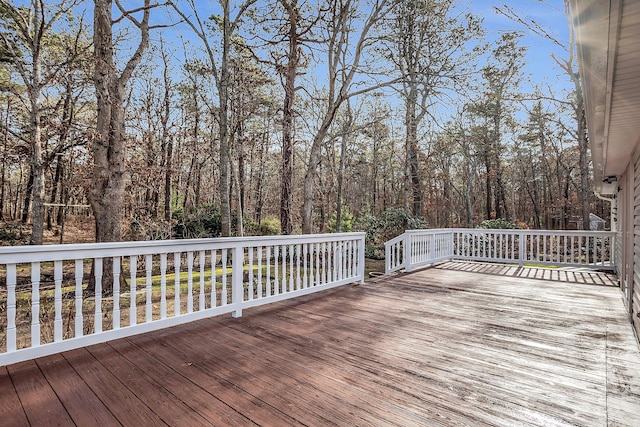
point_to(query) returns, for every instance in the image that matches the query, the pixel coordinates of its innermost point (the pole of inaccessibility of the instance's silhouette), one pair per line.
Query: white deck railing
(590, 249)
(45, 307)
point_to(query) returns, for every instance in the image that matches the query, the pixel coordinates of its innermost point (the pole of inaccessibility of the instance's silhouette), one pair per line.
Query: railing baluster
(292, 286)
(259, 255)
(97, 318)
(276, 261)
(189, 282)
(214, 286)
(133, 307)
(298, 255)
(57, 297)
(283, 274)
(176, 283)
(250, 253)
(334, 260)
(201, 265)
(318, 265)
(305, 277)
(223, 263)
(148, 263)
(116, 293)
(325, 263)
(330, 262)
(79, 320)
(35, 304)
(11, 307)
(349, 258)
(268, 278)
(163, 286)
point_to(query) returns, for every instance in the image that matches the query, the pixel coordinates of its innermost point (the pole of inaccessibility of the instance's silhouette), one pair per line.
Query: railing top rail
(430, 230)
(41, 253)
(513, 231)
(394, 240)
(536, 232)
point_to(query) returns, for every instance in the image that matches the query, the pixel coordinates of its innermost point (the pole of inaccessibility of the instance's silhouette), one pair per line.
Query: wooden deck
(441, 346)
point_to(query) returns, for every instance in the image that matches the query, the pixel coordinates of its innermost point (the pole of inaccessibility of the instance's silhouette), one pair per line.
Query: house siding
(632, 294)
(627, 256)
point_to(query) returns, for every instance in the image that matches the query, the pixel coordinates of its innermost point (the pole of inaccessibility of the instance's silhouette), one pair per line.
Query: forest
(137, 120)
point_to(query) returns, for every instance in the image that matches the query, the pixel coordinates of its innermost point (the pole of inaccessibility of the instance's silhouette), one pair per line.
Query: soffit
(608, 39)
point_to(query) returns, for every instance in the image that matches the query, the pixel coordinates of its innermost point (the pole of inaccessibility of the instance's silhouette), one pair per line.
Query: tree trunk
(293, 62)
(167, 180)
(309, 187)
(346, 129)
(106, 195)
(4, 160)
(259, 183)
(223, 118)
(583, 147)
(54, 190)
(37, 156)
(414, 181)
(26, 207)
(488, 186)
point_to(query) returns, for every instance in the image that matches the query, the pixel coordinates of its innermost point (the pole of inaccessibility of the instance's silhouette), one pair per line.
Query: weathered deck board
(11, 411)
(459, 344)
(74, 393)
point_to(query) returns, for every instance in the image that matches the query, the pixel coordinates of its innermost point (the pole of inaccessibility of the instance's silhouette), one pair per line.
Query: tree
(27, 41)
(228, 25)
(344, 63)
(110, 142)
(569, 66)
(428, 45)
(502, 77)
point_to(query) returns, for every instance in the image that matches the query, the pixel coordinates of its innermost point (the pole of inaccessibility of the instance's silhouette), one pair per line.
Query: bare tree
(569, 66)
(220, 68)
(110, 142)
(344, 63)
(428, 44)
(27, 31)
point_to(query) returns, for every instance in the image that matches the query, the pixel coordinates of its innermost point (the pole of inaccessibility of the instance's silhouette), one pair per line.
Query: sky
(549, 14)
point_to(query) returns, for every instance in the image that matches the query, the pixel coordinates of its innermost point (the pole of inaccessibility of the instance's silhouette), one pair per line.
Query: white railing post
(11, 307)
(407, 252)
(237, 285)
(431, 253)
(360, 249)
(452, 248)
(521, 248)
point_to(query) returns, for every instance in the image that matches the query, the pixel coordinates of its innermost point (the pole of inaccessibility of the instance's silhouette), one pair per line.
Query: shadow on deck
(461, 343)
(584, 276)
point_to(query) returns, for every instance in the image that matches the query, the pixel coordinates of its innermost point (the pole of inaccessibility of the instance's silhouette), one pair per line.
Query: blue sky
(549, 14)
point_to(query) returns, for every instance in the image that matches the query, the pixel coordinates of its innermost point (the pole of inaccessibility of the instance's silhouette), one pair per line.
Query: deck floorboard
(458, 344)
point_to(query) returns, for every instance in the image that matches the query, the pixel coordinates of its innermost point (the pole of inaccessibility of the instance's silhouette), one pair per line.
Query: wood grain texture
(458, 344)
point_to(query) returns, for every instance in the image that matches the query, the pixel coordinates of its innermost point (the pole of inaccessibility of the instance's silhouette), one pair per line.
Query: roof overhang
(608, 45)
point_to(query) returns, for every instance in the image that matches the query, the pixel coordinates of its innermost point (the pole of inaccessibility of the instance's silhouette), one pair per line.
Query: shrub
(499, 223)
(270, 226)
(13, 235)
(204, 221)
(346, 223)
(147, 229)
(390, 224)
